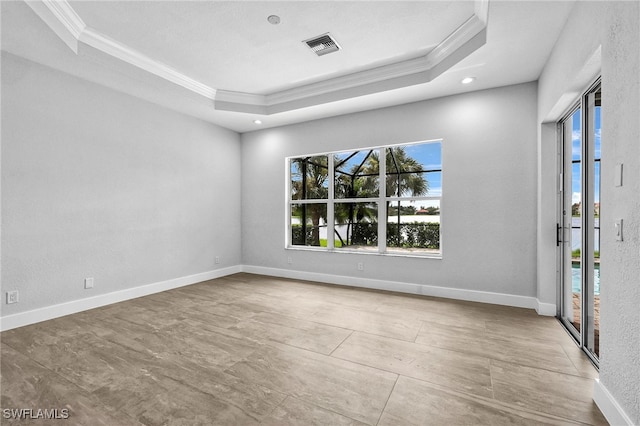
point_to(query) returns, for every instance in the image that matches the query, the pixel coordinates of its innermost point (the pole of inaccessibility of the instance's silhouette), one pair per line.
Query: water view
(575, 279)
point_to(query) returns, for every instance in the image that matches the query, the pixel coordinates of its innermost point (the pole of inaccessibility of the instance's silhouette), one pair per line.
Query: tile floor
(249, 349)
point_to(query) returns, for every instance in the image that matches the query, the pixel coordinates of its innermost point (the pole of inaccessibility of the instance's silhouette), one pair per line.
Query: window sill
(368, 253)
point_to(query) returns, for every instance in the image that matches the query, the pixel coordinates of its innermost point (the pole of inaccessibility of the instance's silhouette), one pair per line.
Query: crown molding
(62, 19)
(226, 100)
(67, 24)
(468, 37)
(465, 32)
(126, 54)
(464, 40)
(373, 75)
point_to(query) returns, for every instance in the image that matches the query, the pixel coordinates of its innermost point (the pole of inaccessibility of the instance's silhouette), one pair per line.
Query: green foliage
(298, 237)
(404, 210)
(309, 180)
(576, 254)
(365, 234)
(575, 209)
(402, 177)
(414, 235)
(407, 235)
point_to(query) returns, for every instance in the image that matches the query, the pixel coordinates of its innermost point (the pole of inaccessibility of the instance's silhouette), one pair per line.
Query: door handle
(558, 234)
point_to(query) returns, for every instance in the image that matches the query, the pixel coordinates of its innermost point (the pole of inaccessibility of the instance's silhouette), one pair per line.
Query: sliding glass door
(579, 227)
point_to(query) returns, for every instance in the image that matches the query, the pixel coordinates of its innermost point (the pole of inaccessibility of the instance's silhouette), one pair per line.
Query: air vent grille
(322, 45)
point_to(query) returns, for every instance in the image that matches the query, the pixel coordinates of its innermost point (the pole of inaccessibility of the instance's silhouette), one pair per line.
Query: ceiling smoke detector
(273, 19)
(322, 44)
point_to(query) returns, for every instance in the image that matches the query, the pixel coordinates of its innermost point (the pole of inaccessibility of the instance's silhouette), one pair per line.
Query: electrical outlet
(88, 282)
(360, 266)
(289, 260)
(12, 297)
(217, 259)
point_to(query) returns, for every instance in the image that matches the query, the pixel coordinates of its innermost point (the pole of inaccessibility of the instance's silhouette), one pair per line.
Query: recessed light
(273, 19)
(467, 80)
(257, 121)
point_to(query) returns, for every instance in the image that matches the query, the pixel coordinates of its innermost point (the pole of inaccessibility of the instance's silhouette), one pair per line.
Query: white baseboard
(610, 408)
(546, 309)
(50, 312)
(421, 289)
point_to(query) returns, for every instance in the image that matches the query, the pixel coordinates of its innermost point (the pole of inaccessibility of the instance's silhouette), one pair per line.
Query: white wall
(620, 305)
(606, 34)
(573, 64)
(96, 183)
(489, 184)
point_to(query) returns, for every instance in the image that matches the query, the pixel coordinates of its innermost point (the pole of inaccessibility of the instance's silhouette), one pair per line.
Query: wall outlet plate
(12, 297)
(88, 282)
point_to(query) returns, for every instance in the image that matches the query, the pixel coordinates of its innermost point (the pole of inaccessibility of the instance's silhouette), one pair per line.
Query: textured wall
(573, 64)
(99, 184)
(489, 202)
(620, 304)
(603, 37)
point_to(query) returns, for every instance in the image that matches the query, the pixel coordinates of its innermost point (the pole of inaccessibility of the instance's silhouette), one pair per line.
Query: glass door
(579, 230)
(592, 289)
(571, 311)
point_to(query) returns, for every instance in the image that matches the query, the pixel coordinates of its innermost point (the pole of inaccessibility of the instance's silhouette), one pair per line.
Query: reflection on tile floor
(249, 349)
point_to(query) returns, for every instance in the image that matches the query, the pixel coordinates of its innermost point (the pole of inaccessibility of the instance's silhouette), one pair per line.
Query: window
(309, 194)
(336, 200)
(579, 225)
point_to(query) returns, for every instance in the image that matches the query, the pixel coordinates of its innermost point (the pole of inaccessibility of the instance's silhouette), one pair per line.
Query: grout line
(90, 395)
(582, 354)
(496, 403)
(330, 410)
(280, 404)
(183, 291)
(388, 398)
(340, 344)
(493, 389)
(490, 357)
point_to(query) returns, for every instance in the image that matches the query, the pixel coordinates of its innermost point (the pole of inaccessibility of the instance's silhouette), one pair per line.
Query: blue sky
(430, 156)
(576, 155)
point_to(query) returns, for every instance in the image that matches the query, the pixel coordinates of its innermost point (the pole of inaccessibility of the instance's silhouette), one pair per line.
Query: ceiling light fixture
(273, 19)
(467, 80)
(257, 121)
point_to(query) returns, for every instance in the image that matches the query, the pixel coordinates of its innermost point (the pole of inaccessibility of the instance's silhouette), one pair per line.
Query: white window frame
(380, 200)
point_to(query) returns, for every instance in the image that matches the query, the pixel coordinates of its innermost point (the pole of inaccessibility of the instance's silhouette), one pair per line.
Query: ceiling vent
(323, 44)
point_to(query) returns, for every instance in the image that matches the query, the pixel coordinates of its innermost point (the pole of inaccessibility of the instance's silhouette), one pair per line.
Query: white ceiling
(230, 45)
(215, 47)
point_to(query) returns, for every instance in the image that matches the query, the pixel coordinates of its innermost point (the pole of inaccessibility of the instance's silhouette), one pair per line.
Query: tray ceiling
(224, 62)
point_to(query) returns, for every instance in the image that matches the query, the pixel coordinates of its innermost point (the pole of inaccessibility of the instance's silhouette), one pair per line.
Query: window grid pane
(356, 225)
(309, 224)
(309, 178)
(410, 204)
(357, 174)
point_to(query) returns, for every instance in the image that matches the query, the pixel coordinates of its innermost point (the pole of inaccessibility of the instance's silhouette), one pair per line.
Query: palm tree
(405, 177)
(309, 181)
(404, 174)
(359, 180)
